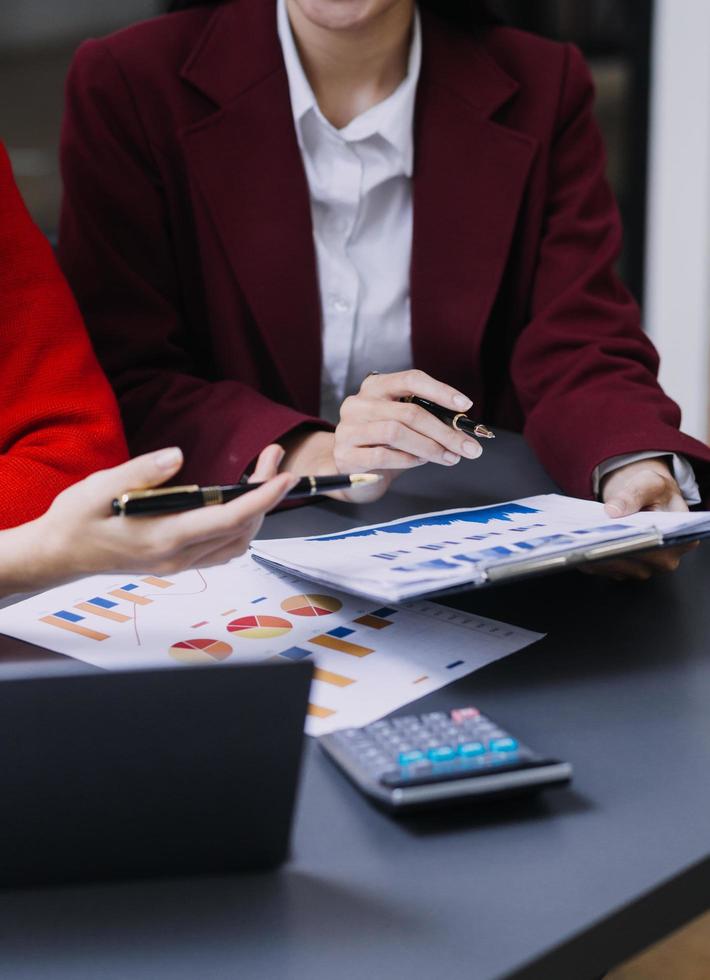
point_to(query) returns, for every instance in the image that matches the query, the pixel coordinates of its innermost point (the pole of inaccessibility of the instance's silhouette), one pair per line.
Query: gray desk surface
(562, 887)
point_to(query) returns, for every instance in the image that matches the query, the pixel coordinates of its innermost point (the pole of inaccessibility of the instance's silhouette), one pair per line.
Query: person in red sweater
(59, 417)
(59, 423)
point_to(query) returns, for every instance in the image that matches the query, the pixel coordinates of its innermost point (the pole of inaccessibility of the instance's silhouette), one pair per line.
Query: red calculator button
(464, 714)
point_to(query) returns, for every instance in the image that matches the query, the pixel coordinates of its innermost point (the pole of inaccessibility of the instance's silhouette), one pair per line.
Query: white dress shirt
(360, 181)
(360, 184)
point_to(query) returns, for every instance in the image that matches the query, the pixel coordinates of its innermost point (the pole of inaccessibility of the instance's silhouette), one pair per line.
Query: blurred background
(651, 68)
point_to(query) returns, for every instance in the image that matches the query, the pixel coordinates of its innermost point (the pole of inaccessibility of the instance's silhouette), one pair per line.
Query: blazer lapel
(470, 176)
(245, 163)
(469, 180)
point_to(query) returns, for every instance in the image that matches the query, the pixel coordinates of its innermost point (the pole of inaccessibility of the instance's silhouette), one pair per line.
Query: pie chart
(259, 627)
(200, 651)
(311, 605)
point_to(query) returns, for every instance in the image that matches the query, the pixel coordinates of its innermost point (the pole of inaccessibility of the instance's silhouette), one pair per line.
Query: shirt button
(340, 305)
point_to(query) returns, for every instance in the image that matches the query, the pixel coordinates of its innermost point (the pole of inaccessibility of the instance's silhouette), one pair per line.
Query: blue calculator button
(468, 749)
(407, 758)
(502, 745)
(443, 753)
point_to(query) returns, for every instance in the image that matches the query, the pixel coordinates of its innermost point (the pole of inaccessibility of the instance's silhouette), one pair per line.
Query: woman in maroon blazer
(266, 200)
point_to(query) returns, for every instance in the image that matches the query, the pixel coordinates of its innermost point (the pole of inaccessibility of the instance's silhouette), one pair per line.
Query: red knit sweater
(58, 417)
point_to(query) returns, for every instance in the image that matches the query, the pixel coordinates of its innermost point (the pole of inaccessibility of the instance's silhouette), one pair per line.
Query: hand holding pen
(380, 431)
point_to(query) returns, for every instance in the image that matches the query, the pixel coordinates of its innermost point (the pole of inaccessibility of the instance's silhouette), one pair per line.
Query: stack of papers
(449, 549)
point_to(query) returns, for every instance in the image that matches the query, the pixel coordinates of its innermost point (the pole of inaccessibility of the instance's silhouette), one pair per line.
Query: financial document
(369, 659)
(432, 552)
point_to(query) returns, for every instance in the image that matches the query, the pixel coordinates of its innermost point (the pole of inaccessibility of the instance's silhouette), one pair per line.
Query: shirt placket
(339, 283)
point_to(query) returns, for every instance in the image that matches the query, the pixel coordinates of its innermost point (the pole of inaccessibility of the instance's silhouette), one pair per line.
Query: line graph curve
(479, 515)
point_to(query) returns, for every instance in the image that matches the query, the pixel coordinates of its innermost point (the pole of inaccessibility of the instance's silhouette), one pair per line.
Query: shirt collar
(392, 119)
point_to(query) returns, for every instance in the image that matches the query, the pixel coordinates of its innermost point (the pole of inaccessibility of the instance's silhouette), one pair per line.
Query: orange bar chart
(333, 642)
(97, 610)
(329, 677)
(70, 627)
(373, 622)
(159, 583)
(139, 600)
(317, 712)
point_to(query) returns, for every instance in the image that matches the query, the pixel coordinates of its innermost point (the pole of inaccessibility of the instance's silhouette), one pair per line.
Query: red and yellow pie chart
(311, 605)
(200, 651)
(259, 627)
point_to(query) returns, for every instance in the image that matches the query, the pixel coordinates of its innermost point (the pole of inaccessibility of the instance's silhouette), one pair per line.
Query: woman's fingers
(143, 472)
(267, 464)
(204, 554)
(395, 435)
(165, 538)
(363, 459)
(405, 417)
(378, 431)
(217, 553)
(641, 485)
(414, 382)
(225, 530)
(211, 522)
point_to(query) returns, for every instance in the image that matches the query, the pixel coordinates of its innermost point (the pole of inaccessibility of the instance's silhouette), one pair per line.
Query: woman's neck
(353, 69)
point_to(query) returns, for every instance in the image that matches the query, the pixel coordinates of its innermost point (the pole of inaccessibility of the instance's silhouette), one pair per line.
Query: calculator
(440, 757)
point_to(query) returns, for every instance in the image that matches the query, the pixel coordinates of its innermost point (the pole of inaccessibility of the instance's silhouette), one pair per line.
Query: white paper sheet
(369, 660)
(431, 552)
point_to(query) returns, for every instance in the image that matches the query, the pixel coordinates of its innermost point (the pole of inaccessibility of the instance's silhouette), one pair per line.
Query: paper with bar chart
(432, 552)
(368, 659)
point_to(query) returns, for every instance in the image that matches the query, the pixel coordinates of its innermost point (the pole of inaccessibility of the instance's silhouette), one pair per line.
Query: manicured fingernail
(168, 459)
(471, 449)
(615, 510)
(462, 402)
(450, 458)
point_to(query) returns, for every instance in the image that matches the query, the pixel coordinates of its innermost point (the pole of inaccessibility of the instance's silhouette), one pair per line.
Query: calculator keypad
(432, 747)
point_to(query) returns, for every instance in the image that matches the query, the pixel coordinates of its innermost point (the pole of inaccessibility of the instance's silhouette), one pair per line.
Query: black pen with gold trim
(457, 420)
(169, 500)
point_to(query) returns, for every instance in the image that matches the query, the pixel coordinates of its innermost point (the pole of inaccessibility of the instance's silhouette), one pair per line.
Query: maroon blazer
(186, 234)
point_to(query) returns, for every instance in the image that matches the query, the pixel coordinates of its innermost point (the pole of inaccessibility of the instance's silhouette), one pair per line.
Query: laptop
(179, 771)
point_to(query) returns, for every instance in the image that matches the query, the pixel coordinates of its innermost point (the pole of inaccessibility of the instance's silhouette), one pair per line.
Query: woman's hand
(78, 534)
(644, 485)
(378, 432)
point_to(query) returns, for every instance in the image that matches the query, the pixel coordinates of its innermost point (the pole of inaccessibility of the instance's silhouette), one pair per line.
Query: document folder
(446, 551)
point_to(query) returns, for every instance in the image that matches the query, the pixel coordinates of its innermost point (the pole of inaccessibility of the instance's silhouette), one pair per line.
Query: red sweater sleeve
(58, 417)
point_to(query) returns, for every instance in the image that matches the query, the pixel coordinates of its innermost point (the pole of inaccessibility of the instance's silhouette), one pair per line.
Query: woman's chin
(343, 15)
